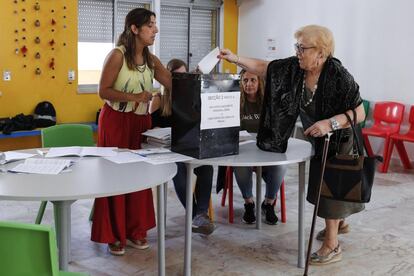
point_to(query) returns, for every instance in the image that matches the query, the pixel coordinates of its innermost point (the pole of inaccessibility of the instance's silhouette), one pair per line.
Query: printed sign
(220, 110)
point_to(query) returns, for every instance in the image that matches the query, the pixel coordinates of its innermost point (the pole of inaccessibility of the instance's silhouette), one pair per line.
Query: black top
(160, 121)
(250, 116)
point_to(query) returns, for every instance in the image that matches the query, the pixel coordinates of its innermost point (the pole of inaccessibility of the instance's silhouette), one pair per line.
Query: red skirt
(128, 216)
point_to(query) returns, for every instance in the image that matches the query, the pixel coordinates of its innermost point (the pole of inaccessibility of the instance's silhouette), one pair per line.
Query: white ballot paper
(209, 61)
(81, 151)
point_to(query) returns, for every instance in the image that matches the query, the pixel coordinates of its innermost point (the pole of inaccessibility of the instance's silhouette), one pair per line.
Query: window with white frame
(188, 31)
(100, 22)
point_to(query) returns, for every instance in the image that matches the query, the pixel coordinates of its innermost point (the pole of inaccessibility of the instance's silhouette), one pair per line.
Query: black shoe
(249, 217)
(269, 213)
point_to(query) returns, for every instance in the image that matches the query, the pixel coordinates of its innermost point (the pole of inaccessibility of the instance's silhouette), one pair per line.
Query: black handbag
(347, 177)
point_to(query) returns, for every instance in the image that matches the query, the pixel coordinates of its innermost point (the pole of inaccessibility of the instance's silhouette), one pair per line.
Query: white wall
(374, 39)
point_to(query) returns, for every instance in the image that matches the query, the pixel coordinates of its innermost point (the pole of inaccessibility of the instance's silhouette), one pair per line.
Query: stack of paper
(42, 166)
(159, 137)
(81, 151)
(10, 156)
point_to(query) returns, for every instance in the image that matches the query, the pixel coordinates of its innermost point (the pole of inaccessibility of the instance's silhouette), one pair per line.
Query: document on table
(10, 156)
(165, 158)
(208, 62)
(125, 157)
(81, 151)
(159, 133)
(42, 166)
(150, 151)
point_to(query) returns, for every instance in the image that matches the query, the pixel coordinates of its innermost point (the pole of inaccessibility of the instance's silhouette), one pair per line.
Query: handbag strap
(356, 138)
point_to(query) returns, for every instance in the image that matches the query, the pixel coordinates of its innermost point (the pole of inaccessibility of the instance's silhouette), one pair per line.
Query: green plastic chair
(65, 135)
(28, 249)
(366, 108)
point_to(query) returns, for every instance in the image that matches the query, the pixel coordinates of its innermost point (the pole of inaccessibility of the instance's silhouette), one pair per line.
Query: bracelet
(238, 60)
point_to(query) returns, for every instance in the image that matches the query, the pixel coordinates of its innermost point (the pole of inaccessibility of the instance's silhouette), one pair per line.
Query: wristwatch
(334, 124)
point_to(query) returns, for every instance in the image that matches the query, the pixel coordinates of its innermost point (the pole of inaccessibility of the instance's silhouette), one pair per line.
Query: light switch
(71, 75)
(6, 75)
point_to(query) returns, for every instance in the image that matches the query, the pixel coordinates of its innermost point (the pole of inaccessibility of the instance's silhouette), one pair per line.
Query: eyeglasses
(300, 49)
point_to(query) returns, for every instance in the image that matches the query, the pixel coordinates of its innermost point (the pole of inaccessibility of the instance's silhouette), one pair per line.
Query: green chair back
(28, 249)
(366, 108)
(67, 135)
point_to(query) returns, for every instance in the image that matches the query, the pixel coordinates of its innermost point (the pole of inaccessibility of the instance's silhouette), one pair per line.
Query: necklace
(140, 68)
(310, 100)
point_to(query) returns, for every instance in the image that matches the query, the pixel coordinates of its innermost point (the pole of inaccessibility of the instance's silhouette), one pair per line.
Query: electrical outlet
(6, 75)
(71, 75)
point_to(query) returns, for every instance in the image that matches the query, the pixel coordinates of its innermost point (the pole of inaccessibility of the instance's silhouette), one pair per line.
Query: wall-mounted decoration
(52, 42)
(37, 23)
(53, 22)
(16, 51)
(38, 71)
(52, 64)
(37, 56)
(37, 40)
(24, 50)
(37, 6)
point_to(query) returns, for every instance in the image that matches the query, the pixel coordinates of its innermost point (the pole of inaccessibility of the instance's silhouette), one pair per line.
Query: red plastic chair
(387, 121)
(228, 188)
(398, 141)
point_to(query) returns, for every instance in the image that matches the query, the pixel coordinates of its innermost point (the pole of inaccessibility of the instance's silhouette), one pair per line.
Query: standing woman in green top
(126, 86)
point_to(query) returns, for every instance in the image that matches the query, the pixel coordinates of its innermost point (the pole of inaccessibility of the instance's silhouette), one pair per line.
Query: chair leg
(403, 154)
(225, 188)
(211, 210)
(368, 145)
(387, 158)
(386, 149)
(282, 202)
(41, 212)
(230, 187)
(91, 213)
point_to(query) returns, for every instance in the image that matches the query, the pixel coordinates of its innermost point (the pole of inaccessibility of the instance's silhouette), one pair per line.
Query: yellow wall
(26, 89)
(231, 17)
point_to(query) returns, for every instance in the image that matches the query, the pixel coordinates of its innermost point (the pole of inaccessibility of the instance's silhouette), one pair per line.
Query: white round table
(298, 152)
(90, 177)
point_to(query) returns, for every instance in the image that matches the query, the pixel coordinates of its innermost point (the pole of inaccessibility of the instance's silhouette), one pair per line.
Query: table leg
(301, 228)
(161, 228)
(258, 197)
(188, 219)
(63, 231)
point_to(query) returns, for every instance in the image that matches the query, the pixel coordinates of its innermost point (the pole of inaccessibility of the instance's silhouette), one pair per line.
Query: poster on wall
(220, 110)
(271, 48)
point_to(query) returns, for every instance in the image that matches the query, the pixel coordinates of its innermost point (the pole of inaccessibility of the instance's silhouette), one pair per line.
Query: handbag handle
(356, 138)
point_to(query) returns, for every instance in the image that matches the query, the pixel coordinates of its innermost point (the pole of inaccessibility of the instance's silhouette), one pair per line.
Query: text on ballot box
(205, 114)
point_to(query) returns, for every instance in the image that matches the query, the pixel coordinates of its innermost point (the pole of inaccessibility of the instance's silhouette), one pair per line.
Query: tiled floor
(380, 242)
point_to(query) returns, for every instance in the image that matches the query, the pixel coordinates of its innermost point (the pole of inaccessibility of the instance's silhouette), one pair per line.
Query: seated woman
(161, 117)
(251, 98)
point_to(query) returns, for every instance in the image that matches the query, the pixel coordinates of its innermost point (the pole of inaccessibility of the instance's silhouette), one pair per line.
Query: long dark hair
(166, 100)
(138, 17)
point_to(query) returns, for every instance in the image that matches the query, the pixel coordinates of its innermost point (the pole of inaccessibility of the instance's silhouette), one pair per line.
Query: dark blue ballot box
(205, 115)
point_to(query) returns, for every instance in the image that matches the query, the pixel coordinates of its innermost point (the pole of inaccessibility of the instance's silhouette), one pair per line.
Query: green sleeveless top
(132, 81)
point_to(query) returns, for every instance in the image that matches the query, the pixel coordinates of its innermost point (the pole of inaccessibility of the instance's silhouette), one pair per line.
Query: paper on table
(209, 61)
(10, 156)
(42, 166)
(165, 158)
(159, 133)
(125, 157)
(81, 151)
(149, 151)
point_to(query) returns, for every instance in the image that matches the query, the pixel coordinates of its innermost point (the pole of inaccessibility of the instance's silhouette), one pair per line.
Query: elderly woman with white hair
(315, 86)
